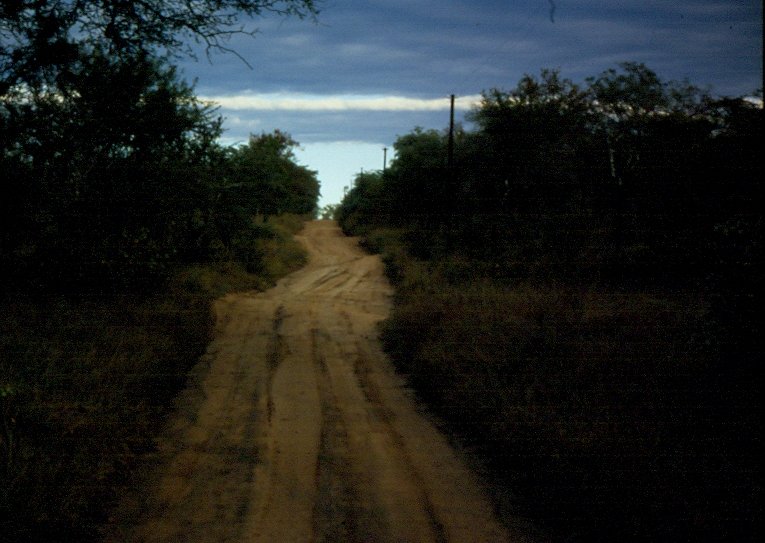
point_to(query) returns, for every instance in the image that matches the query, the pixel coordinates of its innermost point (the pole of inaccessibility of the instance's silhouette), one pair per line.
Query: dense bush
(577, 299)
(84, 385)
(105, 204)
(112, 174)
(629, 180)
(121, 217)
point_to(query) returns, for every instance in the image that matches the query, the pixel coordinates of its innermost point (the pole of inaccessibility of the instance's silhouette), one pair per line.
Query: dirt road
(298, 429)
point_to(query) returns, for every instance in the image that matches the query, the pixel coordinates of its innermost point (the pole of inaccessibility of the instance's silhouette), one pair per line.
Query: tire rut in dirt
(337, 512)
(391, 499)
(195, 488)
(274, 356)
(283, 501)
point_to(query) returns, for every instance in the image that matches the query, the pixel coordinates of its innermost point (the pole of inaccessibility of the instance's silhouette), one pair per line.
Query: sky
(366, 71)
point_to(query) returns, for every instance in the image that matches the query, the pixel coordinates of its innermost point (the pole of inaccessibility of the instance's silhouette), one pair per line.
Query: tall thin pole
(385, 158)
(450, 180)
(450, 155)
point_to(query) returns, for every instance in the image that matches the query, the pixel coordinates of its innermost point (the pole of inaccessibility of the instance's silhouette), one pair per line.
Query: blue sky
(365, 72)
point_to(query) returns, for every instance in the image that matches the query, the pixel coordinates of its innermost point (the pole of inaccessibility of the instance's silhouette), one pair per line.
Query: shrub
(84, 384)
(611, 408)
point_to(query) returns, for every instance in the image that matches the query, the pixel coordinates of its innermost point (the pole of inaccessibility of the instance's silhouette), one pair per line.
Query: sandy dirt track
(295, 427)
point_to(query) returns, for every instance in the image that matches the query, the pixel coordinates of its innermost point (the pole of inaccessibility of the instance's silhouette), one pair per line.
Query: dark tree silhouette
(42, 39)
(106, 157)
(641, 193)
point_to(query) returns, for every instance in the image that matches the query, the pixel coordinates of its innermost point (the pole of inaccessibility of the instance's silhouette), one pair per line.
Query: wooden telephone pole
(450, 151)
(451, 181)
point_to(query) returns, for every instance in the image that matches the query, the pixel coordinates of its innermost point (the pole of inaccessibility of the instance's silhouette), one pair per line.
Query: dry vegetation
(577, 297)
(84, 384)
(598, 412)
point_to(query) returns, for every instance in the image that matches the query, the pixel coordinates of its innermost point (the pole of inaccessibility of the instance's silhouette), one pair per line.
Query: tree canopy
(593, 257)
(628, 177)
(111, 170)
(43, 39)
(266, 171)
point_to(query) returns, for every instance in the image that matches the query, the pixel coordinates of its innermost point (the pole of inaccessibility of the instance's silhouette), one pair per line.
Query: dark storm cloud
(402, 51)
(429, 49)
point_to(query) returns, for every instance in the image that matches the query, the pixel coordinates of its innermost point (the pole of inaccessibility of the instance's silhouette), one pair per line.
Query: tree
(268, 179)
(105, 155)
(328, 211)
(416, 180)
(534, 163)
(534, 133)
(40, 40)
(632, 89)
(103, 184)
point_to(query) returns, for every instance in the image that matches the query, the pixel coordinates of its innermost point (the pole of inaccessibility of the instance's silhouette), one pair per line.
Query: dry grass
(608, 414)
(85, 383)
(87, 380)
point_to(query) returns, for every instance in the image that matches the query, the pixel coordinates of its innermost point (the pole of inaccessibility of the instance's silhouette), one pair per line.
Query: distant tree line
(111, 169)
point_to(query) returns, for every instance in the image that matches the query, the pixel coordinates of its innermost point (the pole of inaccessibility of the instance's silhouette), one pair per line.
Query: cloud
(243, 123)
(339, 102)
(371, 71)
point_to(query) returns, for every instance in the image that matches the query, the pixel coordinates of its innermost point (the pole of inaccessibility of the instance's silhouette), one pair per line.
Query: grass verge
(85, 384)
(602, 414)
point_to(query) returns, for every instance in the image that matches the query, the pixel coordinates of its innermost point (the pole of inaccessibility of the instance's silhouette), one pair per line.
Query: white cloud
(340, 102)
(243, 123)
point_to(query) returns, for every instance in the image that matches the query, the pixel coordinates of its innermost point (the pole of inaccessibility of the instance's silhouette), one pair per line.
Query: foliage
(270, 180)
(608, 408)
(84, 403)
(88, 195)
(111, 171)
(84, 387)
(367, 200)
(328, 211)
(576, 296)
(122, 217)
(42, 40)
(629, 179)
(92, 201)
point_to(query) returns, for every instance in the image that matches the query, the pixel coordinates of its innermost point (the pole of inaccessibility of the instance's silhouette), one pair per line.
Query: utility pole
(451, 181)
(385, 158)
(450, 153)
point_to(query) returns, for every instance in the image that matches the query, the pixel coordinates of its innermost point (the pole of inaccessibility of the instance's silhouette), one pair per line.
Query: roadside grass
(282, 254)
(86, 383)
(600, 413)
